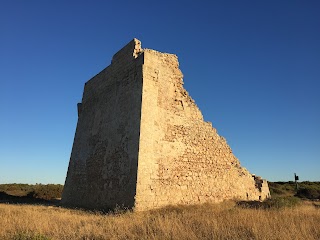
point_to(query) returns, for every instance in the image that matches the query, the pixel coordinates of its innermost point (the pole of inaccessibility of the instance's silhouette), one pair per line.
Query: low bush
(16, 187)
(309, 193)
(41, 191)
(47, 192)
(272, 203)
(282, 202)
(310, 190)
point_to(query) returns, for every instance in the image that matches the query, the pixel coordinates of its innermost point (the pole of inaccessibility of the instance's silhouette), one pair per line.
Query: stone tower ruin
(141, 141)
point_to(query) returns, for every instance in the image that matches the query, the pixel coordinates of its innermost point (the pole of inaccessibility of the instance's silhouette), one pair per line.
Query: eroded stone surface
(141, 141)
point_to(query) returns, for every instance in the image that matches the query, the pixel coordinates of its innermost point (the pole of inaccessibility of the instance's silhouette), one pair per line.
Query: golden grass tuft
(220, 221)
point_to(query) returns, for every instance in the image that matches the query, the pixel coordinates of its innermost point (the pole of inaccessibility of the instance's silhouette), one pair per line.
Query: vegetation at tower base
(141, 141)
(307, 189)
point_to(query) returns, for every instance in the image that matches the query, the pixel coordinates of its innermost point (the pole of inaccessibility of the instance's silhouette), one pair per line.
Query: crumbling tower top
(133, 48)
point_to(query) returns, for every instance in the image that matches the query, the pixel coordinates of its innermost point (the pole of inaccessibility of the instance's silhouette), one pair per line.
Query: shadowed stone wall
(103, 166)
(141, 141)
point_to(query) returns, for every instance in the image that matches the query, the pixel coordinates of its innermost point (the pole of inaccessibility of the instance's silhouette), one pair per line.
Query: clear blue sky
(253, 68)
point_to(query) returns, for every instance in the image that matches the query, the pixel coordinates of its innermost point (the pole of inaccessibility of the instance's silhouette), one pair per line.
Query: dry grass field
(220, 221)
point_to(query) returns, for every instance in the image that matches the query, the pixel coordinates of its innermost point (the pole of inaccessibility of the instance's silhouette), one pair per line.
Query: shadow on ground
(251, 204)
(11, 199)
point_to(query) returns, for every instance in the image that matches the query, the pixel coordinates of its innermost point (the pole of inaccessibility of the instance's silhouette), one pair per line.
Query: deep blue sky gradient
(253, 68)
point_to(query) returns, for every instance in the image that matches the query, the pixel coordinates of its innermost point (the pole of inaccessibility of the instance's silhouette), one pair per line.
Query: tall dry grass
(222, 221)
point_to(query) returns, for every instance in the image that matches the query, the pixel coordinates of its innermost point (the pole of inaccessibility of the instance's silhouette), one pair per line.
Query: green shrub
(47, 192)
(310, 193)
(15, 187)
(310, 190)
(276, 191)
(282, 202)
(274, 203)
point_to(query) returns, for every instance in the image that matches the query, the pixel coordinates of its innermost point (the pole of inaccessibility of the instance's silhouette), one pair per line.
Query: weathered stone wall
(141, 141)
(103, 165)
(182, 159)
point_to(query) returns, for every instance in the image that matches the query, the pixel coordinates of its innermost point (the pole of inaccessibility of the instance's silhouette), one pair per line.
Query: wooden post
(296, 178)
